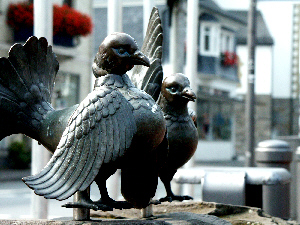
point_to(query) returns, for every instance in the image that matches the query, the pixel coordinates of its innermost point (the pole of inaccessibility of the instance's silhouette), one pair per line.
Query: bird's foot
(175, 198)
(115, 204)
(88, 205)
(154, 202)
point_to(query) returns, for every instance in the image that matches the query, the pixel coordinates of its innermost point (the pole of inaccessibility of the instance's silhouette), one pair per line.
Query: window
(214, 116)
(207, 36)
(66, 90)
(226, 41)
(209, 39)
(214, 120)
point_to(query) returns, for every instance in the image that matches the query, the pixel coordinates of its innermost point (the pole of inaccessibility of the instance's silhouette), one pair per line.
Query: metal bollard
(294, 142)
(297, 160)
(273, 153)
(81, 214)
(227, 187)
(276, 198)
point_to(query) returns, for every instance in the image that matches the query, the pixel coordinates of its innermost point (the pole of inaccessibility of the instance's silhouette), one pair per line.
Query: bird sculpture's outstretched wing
(99, 131)
(150, 79)
(26, 84)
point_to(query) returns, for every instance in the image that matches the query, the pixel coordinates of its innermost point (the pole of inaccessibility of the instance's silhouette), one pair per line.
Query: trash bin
(297, 161)
(234, 185)
(276, 198)
(273, 153)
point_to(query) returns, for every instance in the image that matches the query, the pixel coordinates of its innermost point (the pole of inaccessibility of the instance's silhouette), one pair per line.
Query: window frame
(224, 46)
(213, 37)
(66, 89)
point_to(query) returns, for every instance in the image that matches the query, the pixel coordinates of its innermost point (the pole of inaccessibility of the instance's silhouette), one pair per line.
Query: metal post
(81, 214)
(192, 56)
(43, 22)
(114, 16)
(250, 98)
(174, 40)
(43, 19)
(147, 212)
(191, 46)
(39, 158)
(114, 24)
(147, 8)
(297, 160)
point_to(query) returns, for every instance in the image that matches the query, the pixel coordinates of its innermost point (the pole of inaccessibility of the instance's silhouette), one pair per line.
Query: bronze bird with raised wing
(115, 126)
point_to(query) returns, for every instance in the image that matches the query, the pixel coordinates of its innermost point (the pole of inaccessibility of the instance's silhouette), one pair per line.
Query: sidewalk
(11, 175)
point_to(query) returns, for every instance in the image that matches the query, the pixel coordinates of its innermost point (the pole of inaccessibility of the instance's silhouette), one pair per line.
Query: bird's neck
(172, 108)
(118, 81)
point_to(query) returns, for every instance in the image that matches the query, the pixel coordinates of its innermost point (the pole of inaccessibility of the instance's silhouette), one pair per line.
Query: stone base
(176, 213)
(237, 215)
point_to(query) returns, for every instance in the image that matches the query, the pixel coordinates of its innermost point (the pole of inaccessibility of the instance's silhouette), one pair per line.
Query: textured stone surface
(186, 213)
(237, 215)
(180, 218)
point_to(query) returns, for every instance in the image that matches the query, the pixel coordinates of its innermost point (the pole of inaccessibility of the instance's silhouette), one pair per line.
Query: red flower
(20, 15)
(66, 20)
(229, 58)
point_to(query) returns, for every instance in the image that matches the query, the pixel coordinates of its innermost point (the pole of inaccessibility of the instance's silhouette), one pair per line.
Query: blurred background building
(222, 68)
(74, 52)
(221, 78)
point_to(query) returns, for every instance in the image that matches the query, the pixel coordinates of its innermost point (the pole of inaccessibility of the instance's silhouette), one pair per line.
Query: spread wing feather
(150, 79)
(99, 131)
(26, 84)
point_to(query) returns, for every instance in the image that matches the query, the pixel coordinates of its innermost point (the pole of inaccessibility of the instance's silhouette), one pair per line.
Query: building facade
(277, 68)
(217, 75)
(73, 81)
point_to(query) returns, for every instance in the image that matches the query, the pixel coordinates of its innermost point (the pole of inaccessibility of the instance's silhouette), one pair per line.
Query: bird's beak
(188, 94)
(138, 58)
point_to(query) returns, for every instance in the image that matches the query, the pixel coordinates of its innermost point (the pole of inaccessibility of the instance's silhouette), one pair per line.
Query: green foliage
(19, 156)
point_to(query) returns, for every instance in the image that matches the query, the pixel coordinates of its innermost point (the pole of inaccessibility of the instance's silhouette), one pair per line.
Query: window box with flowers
(229, 59)
(68, 23)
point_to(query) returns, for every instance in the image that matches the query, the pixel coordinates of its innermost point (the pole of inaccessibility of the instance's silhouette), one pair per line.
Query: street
(15, 202)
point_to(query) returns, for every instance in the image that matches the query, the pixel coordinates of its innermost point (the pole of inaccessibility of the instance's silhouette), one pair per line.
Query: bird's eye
(172, 89)
(122, 52)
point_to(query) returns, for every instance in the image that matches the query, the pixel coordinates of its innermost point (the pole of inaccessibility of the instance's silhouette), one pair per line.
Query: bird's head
(176, 89)
(117, 54)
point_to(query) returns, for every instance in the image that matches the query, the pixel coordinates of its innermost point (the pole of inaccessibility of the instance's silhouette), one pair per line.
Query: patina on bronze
(116, 126)
(181, 129)
(172, 94)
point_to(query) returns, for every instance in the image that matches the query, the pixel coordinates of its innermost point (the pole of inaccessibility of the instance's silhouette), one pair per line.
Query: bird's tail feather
(150, 79)
(26, 84)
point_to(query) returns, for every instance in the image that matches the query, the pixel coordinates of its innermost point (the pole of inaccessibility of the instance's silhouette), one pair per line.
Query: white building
(73, 81)
(274, 74)
(277, 68)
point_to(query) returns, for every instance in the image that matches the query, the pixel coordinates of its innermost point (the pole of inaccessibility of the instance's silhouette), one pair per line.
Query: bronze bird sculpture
(181, 129)
(172, 94)
(115, 126)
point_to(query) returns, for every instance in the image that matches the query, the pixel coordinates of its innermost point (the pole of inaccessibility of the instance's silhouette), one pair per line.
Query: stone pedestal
(176, 213)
